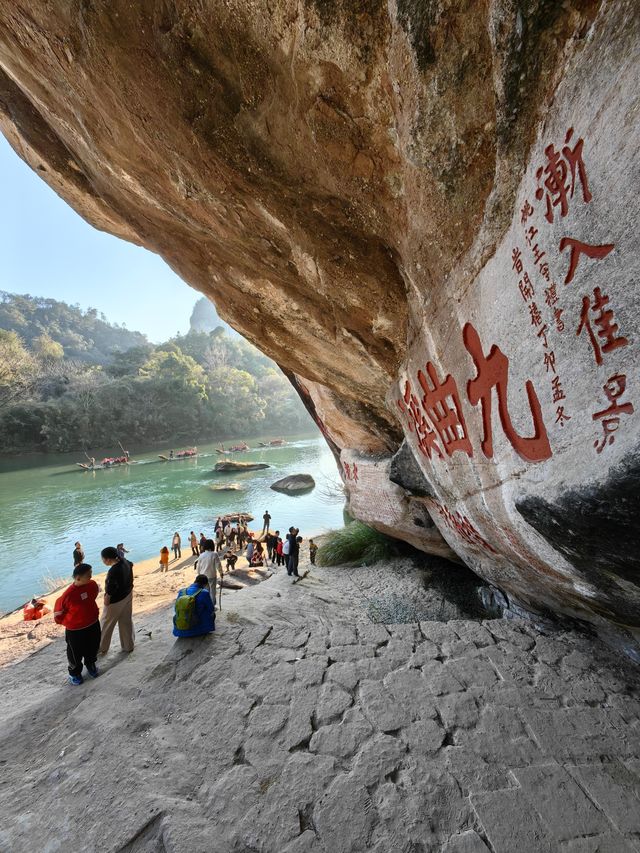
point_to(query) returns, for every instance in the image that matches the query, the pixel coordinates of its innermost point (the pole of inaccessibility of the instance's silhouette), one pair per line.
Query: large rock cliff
(424, 211)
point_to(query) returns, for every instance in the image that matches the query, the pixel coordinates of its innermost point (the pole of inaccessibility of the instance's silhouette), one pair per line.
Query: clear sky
(46, 249)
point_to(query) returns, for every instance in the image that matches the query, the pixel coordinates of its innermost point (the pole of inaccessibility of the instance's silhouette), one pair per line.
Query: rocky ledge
(302, 726)
(424, 211)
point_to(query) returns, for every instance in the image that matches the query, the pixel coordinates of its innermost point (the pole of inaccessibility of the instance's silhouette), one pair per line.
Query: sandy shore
(152, 589)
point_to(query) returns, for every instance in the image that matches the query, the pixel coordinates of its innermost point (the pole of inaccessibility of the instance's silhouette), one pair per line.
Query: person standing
(293, 551)
(77, 610)
(121, 550)
(217, 524)
(219, 539)
(227, 534)
(193, 541)
(118, 601)
(286, 545)
(279, 554)
(78, 554)
(272, 542)
(250, 547)
(209, 565)
(176, 545)
(266, 519)
(164, 559)
(313, 550)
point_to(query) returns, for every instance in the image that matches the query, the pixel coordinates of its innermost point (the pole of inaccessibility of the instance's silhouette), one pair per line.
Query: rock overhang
(389, 200)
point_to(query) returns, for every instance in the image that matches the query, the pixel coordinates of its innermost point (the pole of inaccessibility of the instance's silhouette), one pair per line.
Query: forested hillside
(71, 381)
(83, 335)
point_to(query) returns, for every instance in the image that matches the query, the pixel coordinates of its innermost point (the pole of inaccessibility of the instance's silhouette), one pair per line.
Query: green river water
(47, 503)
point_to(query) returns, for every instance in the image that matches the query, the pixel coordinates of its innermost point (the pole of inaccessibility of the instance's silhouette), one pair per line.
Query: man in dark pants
(272, 542)
(294, 551)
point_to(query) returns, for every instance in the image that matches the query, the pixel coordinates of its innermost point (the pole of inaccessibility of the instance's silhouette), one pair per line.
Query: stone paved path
(320, 732)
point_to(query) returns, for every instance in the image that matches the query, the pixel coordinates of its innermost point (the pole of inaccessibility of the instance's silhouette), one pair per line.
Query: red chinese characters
(613, 388)
(438, 419)
(409, 406)
(578, 248)
(560, 172)
(542, 330)
(448, 420)
(493, 373)
(461, 525)
(607, 338)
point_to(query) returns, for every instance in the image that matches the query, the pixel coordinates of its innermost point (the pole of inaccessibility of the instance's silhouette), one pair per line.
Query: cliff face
(425, 211)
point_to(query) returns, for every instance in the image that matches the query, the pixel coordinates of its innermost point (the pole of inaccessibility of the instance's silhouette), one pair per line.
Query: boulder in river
(232, 465)
(226, 487)
(294, 484)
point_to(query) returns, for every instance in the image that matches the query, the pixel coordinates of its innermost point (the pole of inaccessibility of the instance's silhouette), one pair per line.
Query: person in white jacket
(209, 565)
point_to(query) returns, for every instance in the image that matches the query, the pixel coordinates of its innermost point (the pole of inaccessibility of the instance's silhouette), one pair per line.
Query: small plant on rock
(356, 544)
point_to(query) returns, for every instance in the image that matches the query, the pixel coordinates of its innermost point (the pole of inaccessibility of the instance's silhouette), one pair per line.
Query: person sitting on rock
(194, 614)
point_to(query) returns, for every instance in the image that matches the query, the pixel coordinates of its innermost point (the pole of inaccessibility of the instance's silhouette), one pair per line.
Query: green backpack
(185, 610)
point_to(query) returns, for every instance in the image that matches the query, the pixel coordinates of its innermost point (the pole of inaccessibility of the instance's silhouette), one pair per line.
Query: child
(77, 610)
(164, 559)
(312, 552)
(279, 554)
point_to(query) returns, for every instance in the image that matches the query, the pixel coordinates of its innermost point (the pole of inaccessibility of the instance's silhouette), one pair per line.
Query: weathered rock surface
(424, 211)
(294, 483)
(478, 736)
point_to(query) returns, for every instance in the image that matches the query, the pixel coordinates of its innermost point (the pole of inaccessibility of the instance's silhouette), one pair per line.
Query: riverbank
(301, 726)
(46, 508)
(152, 590)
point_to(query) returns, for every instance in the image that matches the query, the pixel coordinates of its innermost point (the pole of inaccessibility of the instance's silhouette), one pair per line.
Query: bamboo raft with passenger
(189, 453)
(235, 448)
(107, 462)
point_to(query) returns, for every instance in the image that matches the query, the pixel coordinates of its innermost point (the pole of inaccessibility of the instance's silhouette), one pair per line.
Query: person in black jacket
(294, 551)
(78, 555)
(118, 601)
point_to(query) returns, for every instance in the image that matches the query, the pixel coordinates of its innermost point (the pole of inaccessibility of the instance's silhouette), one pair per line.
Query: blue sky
(46, 249)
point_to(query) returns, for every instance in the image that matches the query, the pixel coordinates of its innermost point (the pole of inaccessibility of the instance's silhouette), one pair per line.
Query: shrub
(356, 545)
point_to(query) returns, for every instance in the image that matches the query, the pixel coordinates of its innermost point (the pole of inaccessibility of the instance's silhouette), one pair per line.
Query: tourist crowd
(88, 636)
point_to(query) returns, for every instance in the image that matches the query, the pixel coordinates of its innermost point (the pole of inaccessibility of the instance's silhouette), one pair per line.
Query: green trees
(199, 387)
(84, 336)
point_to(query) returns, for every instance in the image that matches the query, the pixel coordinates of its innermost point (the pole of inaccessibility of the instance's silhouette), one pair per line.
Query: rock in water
(226, 487)
(294, 484)
(240, 466)
(424, 212)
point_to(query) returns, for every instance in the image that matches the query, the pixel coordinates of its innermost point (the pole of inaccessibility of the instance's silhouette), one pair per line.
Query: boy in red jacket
(77, 610)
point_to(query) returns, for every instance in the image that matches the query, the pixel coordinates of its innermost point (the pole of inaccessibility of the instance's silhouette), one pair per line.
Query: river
(47, 503)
